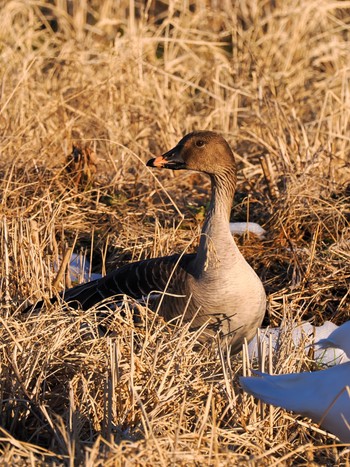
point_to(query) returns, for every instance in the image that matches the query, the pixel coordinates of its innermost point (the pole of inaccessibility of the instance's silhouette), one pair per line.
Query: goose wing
(136, 280)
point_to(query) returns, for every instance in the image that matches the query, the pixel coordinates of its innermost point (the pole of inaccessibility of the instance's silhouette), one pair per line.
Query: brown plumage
(216, 284)
(81, 165)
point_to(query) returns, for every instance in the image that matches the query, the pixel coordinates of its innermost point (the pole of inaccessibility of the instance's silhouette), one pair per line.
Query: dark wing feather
(136, 280)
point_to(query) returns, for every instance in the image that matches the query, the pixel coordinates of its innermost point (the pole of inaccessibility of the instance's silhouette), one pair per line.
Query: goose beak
(170, 160)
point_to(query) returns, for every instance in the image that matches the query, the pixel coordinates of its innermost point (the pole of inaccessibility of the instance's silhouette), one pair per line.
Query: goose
(331, 343)
(214, 286)
(323, 396)
(338, 339)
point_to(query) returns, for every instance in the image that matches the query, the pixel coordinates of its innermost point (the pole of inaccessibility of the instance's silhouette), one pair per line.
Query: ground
(121, 82)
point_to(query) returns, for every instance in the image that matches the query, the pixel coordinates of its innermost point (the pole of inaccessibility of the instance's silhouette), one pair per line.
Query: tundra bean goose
(216, 284)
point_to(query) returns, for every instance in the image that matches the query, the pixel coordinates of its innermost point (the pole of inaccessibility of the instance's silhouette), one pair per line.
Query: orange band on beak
(159, 161)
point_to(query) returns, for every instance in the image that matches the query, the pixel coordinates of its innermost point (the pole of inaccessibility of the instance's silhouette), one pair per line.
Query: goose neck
(216, 246)
(223, 190)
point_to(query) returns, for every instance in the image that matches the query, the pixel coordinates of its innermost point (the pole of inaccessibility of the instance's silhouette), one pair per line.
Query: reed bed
(121, 81)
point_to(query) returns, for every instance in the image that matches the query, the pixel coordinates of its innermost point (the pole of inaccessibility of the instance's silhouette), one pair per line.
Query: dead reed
(125, 80)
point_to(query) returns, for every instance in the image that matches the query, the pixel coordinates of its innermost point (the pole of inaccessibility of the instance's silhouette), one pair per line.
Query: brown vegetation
(128, 79)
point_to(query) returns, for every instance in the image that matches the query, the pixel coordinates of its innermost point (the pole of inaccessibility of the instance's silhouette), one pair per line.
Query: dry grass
(126, 80)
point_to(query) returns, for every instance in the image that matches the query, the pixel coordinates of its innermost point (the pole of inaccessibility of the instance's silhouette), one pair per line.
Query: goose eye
(200, 143)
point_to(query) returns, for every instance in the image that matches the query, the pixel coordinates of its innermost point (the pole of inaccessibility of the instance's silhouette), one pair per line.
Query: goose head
(202, 151)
